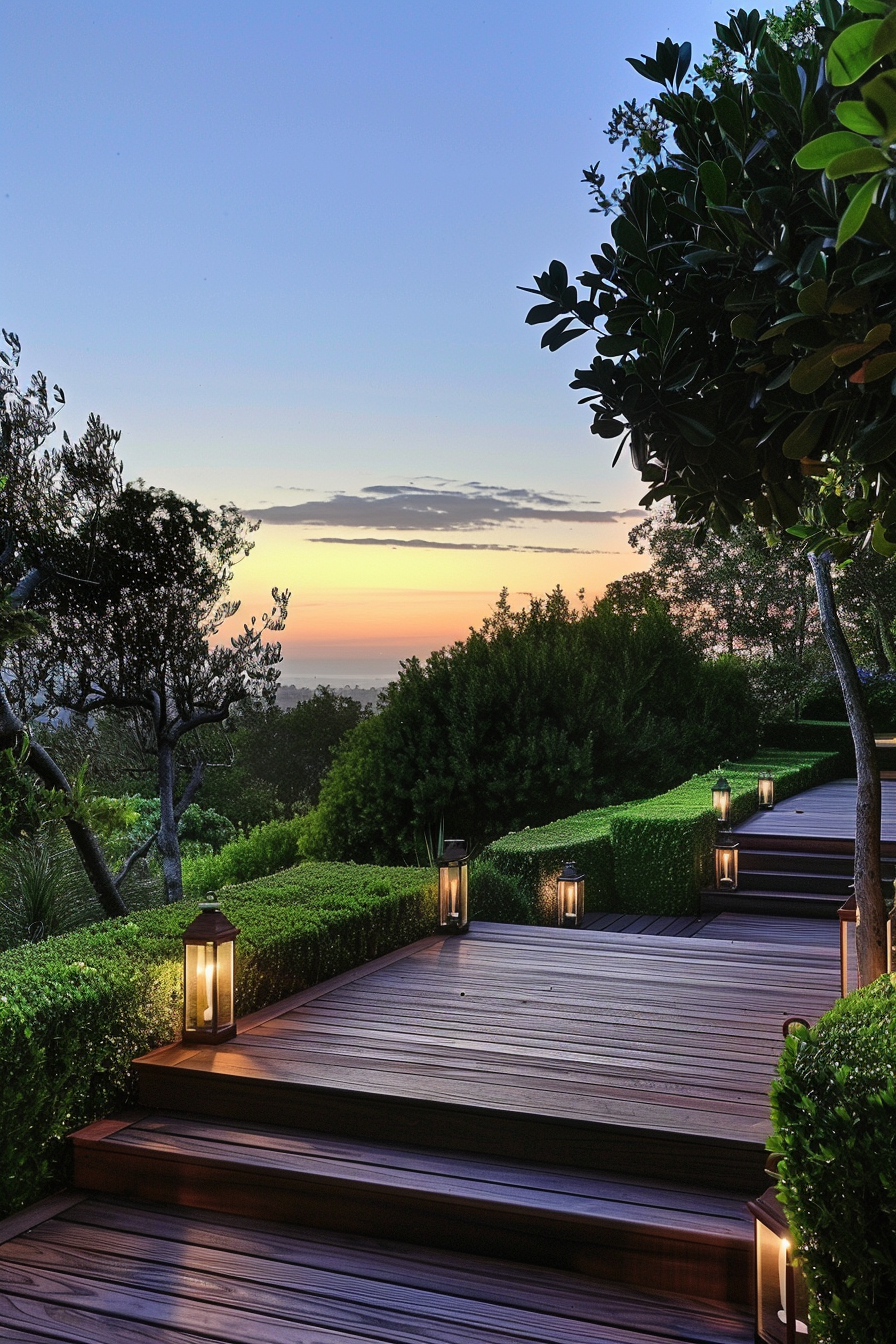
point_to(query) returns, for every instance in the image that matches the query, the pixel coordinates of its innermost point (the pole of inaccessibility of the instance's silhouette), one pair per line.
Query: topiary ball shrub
(834, 1113)
(496, 896)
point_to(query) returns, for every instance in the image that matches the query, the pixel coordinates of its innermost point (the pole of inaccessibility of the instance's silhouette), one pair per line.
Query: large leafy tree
(143, 639)
(745, 346)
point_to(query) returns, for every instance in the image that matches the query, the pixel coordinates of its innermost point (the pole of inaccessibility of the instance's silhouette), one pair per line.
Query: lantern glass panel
(453, 895)
(200, 986)
(766, 791)
(726, 860)
(721, 799)
(225, 984)
(570, 899)
(773, 1270)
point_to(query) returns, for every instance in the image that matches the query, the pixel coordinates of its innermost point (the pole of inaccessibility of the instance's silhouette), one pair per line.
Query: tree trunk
(41, 763)
(871, 923)
(167, 839)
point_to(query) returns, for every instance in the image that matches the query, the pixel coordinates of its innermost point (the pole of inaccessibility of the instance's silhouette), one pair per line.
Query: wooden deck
(88, 1270)
(826, 815)
(611, 1051)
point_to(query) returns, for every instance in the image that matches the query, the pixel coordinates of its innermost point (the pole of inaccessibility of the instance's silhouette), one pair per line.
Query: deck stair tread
(107, 1271)
(415, 1174)
(799, 904)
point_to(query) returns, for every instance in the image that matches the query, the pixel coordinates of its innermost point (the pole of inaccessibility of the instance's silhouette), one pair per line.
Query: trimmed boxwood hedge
(75, 1010)
(814, 735)
(834, 1116)
(650, 857)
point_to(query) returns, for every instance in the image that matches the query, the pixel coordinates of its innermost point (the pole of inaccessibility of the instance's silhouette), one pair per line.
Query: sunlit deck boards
(113, 1272)
(826, 813)
(591, 1049)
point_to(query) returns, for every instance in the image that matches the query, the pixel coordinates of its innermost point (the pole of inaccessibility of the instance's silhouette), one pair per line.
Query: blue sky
(277, 246)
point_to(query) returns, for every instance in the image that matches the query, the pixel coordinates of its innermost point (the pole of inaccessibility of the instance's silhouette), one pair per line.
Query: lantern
(570, 897)
(721, 799)
(453, 886)
(208, 977)
(849, 918)
(766, 790)
(781, 1298)
(726, 851)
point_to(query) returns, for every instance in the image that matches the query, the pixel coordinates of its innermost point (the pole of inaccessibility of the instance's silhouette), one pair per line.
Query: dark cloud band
(424, 544)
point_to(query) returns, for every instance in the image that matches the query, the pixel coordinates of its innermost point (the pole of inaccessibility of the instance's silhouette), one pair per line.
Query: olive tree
(745, 350)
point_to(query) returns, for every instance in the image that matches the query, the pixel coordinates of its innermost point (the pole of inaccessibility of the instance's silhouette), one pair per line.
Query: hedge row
(814, 735)
(75, 1010)
(834, 1114)
(265, 849)
(650, 857)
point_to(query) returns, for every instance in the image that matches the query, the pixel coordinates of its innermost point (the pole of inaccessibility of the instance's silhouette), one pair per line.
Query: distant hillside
(288, 696)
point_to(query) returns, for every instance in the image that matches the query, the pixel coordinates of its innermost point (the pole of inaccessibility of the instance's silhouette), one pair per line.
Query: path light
(766, 790)
(453, 886)
(782, 1303)
(208, 977)
(849, 917)
(570, 897)
(721, 799)
(726, 850)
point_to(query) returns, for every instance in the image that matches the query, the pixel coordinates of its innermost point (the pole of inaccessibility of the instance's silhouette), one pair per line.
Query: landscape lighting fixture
(781, 1298)
(766, 788)
(570, 897)
(454, 864)
(721, 799)
(726, 850)
(208, 977)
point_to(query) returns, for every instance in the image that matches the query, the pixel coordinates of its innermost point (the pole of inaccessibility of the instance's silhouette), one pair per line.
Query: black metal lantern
(766, 790)
(570, 897)
(454, 886)
(208, 977)
(721, 799)
(726, 851)
(781, 1298)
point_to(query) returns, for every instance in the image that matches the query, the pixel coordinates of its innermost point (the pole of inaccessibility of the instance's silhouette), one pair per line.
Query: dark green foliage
(280, 757)
(539, 713)
(198, 826)
(497, 896)
(834, 1113)
(814, 735)
(649, 857)
(266, 849)
(75, 1010)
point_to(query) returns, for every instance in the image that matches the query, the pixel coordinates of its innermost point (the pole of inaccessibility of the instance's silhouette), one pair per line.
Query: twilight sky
(278, 245)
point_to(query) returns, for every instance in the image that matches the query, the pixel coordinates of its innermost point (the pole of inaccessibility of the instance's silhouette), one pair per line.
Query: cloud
(440, 506)
(452, 545)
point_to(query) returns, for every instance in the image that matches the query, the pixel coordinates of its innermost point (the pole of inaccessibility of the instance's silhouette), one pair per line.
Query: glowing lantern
(721, 799)
(849, 918)
(766, 790)
(781, 1297)
(453, 886)
(570, 897)
(208, 977)
(726, 850)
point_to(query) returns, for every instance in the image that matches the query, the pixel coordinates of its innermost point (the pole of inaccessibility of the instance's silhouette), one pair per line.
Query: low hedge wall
(834, 1115)
(265, 849)
(650, 857)
(75, 1010)
(813, 735)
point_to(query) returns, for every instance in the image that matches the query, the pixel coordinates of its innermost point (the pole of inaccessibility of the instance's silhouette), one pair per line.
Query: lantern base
(570, 922)
(209, 1037)
(455, 927)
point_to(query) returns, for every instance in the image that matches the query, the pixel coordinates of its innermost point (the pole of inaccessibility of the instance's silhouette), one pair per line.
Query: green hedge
(650, 857)
(813, 735)
(75, 1010)
(265, 849)
(834, 1115)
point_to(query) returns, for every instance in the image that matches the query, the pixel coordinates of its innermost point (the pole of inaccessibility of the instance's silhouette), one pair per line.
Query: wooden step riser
(721, 1164)
(802, 844)
(644, 1258)
(743, 902)
(798, 861)
(811, 884)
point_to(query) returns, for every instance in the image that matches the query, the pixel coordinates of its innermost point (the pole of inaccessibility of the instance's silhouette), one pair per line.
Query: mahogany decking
(611, 1051)
(100, 1271)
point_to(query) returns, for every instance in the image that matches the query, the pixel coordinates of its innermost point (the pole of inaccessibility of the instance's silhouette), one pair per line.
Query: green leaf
(617, 345)
(743, 327)
(855, 212)
(857, 117)
(813, 371)
(804, 438)
(852, 52)
(813, 300)
(875, 444)
(694, 431)
(870, 6)
(879, 541)
(712, 180)
(867, 160)
(880, 367)
(819, 153)
(879, 98)
(885, 37)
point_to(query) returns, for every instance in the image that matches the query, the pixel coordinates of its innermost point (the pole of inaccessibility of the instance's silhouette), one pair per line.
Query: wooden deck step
(797, 904)
(677, 1237)
(106, 1271)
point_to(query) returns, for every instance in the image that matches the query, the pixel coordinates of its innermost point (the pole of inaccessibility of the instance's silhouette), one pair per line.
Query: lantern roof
(768, 1209)
(569, 873)
(453, 851)
(726, 840)
(721, 783)
(210, 925)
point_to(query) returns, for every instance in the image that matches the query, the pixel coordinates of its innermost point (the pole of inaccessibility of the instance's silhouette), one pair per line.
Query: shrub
(498, 897)
(814, 735)
(198, 825)
(266, 849)
(539, 713)
(75, 1010)
(650, 857)
(834, 1114)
